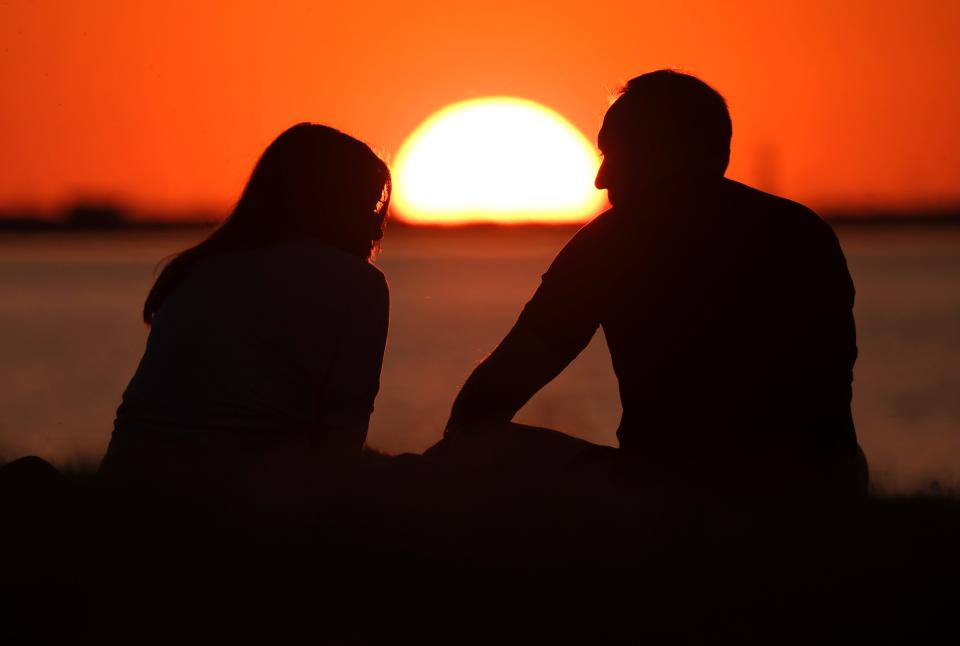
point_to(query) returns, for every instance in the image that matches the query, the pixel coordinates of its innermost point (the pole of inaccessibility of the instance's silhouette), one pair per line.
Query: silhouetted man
(727, 311)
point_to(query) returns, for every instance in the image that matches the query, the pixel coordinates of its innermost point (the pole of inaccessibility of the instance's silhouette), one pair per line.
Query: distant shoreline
(108, 217)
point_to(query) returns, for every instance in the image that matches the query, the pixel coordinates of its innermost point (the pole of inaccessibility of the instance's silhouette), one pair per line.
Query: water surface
(71, 336)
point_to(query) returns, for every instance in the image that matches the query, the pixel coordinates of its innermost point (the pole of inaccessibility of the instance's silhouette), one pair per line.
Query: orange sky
(168, 105)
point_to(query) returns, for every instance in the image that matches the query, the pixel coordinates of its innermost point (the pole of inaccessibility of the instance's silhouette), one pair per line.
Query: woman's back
(254, 350)
(266, 337)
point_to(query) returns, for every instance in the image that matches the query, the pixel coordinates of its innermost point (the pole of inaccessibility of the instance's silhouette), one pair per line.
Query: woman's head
(313, 181)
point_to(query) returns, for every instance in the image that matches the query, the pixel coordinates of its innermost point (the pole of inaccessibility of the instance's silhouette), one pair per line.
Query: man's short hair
(686, 119)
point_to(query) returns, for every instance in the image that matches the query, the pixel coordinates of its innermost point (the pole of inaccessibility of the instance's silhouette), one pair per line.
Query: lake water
(71, 336)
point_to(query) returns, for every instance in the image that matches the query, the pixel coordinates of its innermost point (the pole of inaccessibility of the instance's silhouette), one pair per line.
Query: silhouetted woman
(267, 338)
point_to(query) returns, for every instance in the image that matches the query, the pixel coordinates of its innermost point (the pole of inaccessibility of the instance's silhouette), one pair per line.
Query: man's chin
(625, 196)
(622, 198)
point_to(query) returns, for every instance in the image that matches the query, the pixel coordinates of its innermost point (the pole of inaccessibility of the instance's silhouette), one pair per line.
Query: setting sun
(496, 159)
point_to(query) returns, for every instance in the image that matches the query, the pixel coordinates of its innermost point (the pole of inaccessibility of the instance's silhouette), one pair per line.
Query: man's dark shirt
(728, 314)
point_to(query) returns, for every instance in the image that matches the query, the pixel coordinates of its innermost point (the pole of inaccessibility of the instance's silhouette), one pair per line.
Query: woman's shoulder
(303, 274)
(313, 255)
(325, 279)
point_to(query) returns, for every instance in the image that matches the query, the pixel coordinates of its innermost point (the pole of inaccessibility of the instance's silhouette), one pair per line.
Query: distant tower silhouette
(767, 166)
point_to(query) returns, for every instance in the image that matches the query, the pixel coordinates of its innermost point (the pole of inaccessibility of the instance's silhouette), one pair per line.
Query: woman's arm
(353, 377)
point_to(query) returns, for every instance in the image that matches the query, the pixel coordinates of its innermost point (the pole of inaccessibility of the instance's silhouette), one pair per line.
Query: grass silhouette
(407, 550)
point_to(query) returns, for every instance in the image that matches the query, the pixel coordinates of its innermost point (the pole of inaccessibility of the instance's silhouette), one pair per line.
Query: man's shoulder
(776, 214)
(603, 224)
(604, 231)
(755, 198)
(593, 242)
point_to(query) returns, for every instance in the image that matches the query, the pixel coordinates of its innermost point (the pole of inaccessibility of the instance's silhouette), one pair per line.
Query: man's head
(665, 125)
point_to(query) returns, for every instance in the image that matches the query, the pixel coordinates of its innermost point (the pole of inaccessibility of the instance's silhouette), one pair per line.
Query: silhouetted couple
(727, 311)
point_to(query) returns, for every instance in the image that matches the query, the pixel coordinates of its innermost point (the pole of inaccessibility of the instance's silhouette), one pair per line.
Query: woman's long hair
(312, 182)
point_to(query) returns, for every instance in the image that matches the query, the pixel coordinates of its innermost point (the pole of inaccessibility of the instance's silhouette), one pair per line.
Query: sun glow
(496, 159)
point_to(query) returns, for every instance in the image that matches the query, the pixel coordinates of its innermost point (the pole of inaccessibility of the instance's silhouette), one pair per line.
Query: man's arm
(520, 366)
(554, 327)
(826, 348)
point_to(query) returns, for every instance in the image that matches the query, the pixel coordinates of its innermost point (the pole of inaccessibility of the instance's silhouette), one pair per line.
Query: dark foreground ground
(412, 554)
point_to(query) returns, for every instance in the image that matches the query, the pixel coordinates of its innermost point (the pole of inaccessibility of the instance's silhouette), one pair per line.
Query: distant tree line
(89, 215)
(99, 216)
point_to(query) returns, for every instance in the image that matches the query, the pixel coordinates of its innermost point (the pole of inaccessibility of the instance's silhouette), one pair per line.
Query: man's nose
(600, 181)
